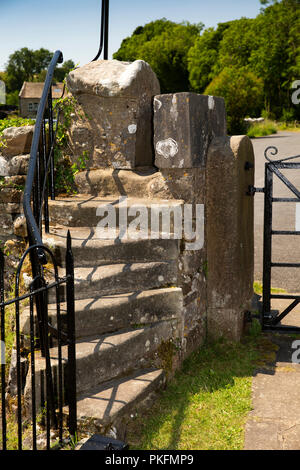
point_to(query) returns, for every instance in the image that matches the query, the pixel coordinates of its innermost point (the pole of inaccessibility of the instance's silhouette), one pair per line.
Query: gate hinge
(252, 190)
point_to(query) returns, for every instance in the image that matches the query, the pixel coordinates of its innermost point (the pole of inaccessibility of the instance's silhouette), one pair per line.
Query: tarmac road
(284, 248)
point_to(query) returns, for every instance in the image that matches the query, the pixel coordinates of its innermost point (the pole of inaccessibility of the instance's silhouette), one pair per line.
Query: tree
(267, 46)
(242, 92)
(29, 65)
(203, 57)
(164, 45)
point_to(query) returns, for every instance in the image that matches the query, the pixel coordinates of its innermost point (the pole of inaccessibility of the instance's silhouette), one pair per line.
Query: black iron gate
(271, 319)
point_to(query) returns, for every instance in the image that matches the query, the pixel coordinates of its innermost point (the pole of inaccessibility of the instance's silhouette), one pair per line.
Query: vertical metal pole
(32, 365)
(106, 28)
(71, 368)
(51, 142)
(3, 383)
(267, 256)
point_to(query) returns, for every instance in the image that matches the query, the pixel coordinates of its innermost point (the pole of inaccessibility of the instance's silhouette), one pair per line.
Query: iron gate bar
(284, 232)
(284, 179)
(282, 315)
(269, 320)
(285, 265)
(284, 296)
(267, 250)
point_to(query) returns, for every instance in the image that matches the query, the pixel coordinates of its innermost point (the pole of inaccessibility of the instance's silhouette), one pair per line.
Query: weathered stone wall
(229, 232)
(14, 159)
(113, 117)
(195, 162)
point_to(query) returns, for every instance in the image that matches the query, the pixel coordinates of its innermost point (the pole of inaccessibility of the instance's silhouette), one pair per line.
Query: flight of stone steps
(127, 304)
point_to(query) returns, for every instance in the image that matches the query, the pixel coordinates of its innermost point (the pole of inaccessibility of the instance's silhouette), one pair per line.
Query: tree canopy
(164, 45)
(263, 53)
(31, 66)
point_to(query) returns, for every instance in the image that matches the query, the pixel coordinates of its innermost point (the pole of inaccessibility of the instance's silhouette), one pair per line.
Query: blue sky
(73, 25)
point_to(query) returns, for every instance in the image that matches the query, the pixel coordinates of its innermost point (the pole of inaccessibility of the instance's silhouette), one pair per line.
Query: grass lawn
(206, 405)
(269, 127)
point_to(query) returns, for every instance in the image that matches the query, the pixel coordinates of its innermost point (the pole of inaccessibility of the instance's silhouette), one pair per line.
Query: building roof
(34, 90)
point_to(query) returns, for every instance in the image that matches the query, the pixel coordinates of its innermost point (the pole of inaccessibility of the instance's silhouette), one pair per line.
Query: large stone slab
(184, 125)
(230, 235)
(17, 140)
(113, 122)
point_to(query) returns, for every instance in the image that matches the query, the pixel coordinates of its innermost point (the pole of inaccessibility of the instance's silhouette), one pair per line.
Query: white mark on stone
(157, 104)
(173, 110)
(167, 148)
(211, 102)
(147, 345)
(181, 163)
(161, 278)
(132, 128)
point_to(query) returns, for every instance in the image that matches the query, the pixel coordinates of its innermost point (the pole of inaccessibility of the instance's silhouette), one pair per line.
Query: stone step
(106, 314)
(106, 357)
(81, 210)
(140, 182)
(119, 278)
(113, 401)
(89, 250)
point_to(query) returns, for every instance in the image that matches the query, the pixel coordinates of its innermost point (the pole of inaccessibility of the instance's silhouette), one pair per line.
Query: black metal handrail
(103, 31)
(40, 183)
(41, 146)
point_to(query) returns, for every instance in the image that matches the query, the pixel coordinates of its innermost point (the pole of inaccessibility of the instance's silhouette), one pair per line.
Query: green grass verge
(258, 288)
(262, 129)
(205, 406)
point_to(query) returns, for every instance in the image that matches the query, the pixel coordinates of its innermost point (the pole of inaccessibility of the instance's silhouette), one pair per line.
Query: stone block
(18, 165)
(230, 234)
(113, 122)
(17, 140)
(4, 167)
(184, 125)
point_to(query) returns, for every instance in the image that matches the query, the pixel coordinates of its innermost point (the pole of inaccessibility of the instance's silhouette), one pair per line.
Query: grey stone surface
(89, 250)
(106, 403)
(102, 358)
(119, 278)
(18, 165)
(229, 231)
(20, 227)
(17, 140)
(81, 210)
(184, 125)
(105, 314)
(114, 119)
(4, 167)
(274, 422)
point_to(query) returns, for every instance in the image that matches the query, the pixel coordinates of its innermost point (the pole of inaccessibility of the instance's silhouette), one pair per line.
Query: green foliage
(15, 122)
(205, 406)
(12, 98)
(254, 46)
(65, 169)
(243, 94)
(164, 45)
(203, 57)
(30, 65)
(262, 129)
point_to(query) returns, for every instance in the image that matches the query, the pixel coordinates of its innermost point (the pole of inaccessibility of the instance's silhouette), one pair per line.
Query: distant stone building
(30, 95)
